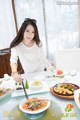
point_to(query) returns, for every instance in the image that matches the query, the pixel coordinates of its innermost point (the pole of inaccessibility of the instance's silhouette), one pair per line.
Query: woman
(28, 48)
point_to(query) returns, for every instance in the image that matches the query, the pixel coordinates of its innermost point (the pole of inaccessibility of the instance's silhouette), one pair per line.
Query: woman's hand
(17, 77)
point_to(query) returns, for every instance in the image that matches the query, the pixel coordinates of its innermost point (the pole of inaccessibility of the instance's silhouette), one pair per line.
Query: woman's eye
(33, 32)
(27, 31)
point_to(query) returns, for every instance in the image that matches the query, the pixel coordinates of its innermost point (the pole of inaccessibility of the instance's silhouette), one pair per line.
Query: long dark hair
(18, 39)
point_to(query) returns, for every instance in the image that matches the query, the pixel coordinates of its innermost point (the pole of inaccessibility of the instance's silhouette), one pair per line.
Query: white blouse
(32, 58)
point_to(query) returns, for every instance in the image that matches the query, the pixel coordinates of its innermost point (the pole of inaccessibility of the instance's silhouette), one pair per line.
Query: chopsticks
(26, 95)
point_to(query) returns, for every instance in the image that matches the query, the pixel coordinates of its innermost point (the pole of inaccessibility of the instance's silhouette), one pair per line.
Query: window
(57, 22)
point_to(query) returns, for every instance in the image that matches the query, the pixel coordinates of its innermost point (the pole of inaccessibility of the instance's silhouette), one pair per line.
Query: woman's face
(29, 33)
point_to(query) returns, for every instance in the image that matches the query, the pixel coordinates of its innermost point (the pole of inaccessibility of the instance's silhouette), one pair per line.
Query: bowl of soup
(34, 105)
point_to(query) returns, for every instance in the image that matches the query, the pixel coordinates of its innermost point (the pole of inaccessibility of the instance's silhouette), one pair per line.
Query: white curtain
(62, 25)
(7, 25)
(57, 22)
(31, 9)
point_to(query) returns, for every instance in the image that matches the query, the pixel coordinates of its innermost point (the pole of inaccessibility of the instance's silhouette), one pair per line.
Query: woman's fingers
(17, 77)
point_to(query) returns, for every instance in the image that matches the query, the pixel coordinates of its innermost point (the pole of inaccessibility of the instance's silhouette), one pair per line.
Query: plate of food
(59, 73)
(36, 84)
(5, 92)
(6, 88)
(77, 97)
(34, 105)
(64, 90)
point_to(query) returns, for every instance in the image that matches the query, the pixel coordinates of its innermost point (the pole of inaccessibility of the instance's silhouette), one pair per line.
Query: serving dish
(4, 92)
(59, 73)
(77, 97)
(37, 84)
(64, 90)
(34, 105)
(6, 88)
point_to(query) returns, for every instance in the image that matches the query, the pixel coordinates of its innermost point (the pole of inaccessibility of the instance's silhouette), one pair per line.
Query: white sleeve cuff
(14, 56)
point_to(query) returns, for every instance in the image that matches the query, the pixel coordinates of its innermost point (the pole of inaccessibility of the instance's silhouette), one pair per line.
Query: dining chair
(68, 59)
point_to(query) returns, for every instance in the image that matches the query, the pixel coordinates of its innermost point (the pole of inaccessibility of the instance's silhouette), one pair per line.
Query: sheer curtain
(57, 22)
(31, 9)
(62, 25)
(7, 25)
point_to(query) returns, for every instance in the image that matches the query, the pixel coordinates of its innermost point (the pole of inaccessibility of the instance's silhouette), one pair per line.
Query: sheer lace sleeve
(14, 56)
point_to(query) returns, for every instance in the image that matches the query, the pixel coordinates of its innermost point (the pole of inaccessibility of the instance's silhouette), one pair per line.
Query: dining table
(9, 104)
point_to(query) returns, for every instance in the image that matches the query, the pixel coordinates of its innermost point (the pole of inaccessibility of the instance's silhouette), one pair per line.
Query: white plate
(36, 85)
(30, 91)
(7, 84)
(19, 89)
(62, 75)
(33, 112)
(6, 95)
(76, 96)
(39, 77)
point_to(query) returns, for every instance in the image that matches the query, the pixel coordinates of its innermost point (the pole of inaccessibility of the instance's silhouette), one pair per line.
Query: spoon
(26, 95)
